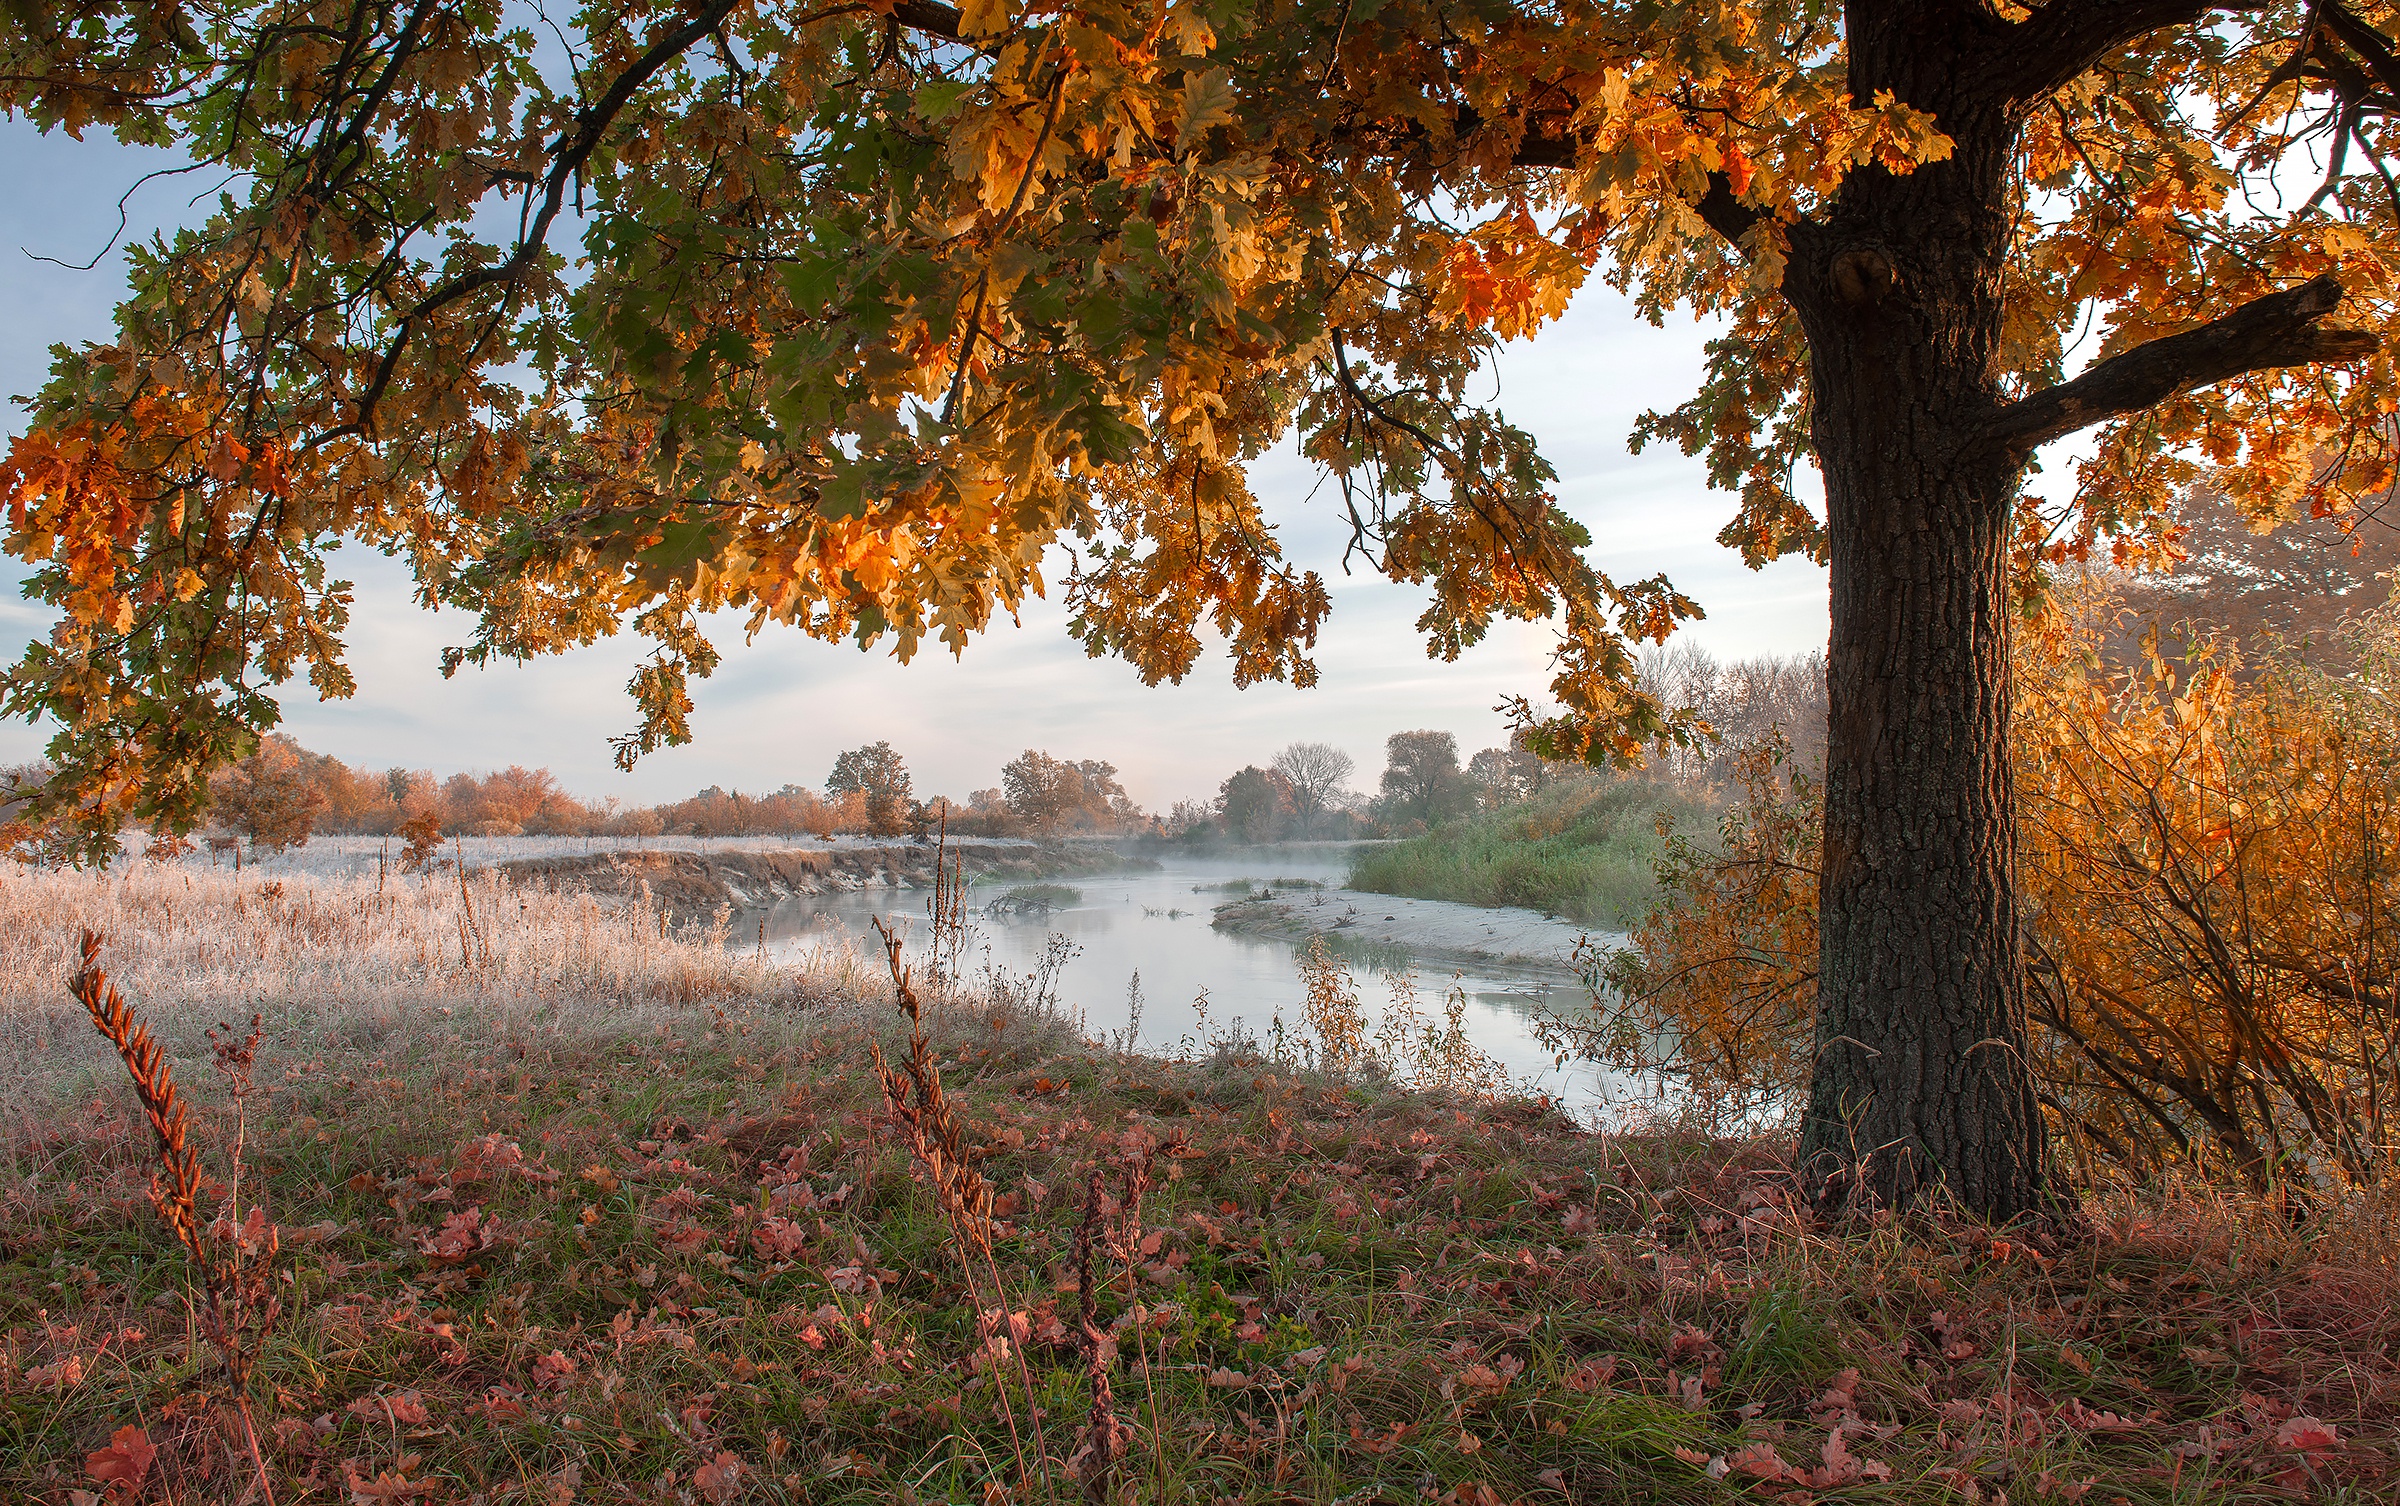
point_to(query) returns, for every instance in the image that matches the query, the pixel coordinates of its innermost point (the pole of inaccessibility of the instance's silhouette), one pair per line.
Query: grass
(1033, 899)
(1250, 888)
(1582, 850)
(637, 1227)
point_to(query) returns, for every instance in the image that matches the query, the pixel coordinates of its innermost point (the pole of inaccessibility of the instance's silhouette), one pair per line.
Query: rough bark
(1921, 1075)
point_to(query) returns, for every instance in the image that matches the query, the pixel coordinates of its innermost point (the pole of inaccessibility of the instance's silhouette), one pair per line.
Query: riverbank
(1435, 930)
(602, 1213)
(1583, 850)
(757, 880)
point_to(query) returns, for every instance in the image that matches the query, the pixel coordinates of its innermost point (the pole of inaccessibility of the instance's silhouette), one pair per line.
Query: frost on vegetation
(355, 953)
(1405, 1046)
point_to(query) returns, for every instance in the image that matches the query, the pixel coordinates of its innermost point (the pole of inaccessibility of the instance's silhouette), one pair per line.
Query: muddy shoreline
(693, 881)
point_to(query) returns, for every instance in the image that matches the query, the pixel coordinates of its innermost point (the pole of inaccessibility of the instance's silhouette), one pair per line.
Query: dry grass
(665, 1246)
(355, 961)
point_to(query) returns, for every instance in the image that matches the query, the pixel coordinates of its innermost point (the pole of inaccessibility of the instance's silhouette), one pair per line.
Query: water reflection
(1154, 926)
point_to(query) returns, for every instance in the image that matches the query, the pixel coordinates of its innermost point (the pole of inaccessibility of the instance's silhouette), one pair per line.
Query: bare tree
(1316, 773)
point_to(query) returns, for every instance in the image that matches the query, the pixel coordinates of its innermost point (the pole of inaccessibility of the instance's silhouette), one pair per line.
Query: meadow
(567, 1202)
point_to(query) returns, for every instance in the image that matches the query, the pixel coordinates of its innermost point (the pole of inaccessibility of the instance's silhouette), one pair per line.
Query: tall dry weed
(936, 1134)
(234, 1255)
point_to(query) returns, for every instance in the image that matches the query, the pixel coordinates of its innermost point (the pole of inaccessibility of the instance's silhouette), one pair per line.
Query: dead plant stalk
(235, 1255)
(936, 1135)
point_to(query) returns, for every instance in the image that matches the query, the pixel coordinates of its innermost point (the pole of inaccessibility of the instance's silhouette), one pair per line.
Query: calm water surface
(1153, 926)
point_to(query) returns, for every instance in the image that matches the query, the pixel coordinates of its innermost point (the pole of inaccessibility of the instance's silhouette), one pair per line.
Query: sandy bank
(1431, 928)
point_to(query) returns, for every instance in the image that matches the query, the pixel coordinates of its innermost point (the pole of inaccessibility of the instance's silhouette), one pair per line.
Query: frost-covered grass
(334, 956)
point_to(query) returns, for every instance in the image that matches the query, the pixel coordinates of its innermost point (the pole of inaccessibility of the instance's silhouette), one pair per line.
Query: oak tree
(273, 796)
(1256, 805)
(852, 315)
(1422, 782)
(1050, 795)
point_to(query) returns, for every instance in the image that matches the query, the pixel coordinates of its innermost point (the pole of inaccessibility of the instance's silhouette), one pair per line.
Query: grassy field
(574, 1210)
(1581, 850)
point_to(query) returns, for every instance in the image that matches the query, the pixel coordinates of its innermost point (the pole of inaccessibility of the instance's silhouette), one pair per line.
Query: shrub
(2209, 884)
(1584, 850)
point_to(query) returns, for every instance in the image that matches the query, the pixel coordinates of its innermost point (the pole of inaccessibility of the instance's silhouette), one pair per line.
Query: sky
(780, 708)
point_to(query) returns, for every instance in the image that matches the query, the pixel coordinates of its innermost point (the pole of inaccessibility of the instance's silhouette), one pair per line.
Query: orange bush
(2209, 884)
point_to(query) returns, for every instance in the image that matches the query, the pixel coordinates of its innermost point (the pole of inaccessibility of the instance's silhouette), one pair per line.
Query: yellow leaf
(1189, 30)
(1208, 101)
(983, 18)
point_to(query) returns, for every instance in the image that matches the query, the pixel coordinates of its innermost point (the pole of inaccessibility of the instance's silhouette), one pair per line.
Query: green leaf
(940, 100)
(681, 545)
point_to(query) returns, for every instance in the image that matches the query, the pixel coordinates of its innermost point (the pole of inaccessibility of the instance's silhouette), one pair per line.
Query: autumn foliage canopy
(849, 317)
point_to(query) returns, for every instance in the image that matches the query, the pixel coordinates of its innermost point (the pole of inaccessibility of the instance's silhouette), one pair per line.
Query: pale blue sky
(781, 708)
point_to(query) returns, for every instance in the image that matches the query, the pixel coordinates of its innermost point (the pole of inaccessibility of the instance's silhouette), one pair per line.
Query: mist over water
(1156, 924)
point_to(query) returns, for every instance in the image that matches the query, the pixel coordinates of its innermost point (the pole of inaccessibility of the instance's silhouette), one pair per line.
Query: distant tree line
(284, 794)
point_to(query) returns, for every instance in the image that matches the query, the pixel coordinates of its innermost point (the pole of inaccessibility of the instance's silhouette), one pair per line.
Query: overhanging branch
(2281, 329)
(1539, 148)
(2062, 40)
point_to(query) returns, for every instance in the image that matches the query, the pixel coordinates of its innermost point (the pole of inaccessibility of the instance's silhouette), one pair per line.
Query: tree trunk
(1921, 1076)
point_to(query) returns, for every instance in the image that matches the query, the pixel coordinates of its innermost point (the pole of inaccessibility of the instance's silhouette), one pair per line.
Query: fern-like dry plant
(233, 1254)
(936, 1134)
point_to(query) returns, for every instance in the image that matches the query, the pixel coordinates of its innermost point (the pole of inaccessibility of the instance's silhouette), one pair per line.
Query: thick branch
(569, 156)
(929, 16)
(2281, 329)
(2372, 47)
(2061, 41)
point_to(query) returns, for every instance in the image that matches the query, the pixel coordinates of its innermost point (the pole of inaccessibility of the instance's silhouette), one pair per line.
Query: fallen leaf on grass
(127, 1458)
(1715, 1465)
(67, 1372)
(2307, 1435)
(406, 1409)
(859, 1280)
(462, 1236)
(2086, 1420)
(1839, 1466)
(720, 1480)
(388, 1485)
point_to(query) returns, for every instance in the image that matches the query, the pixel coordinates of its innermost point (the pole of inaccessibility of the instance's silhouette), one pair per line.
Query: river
(1154, 926)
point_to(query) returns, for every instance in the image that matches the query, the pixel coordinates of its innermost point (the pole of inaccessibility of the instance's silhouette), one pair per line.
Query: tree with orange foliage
(875, 307)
